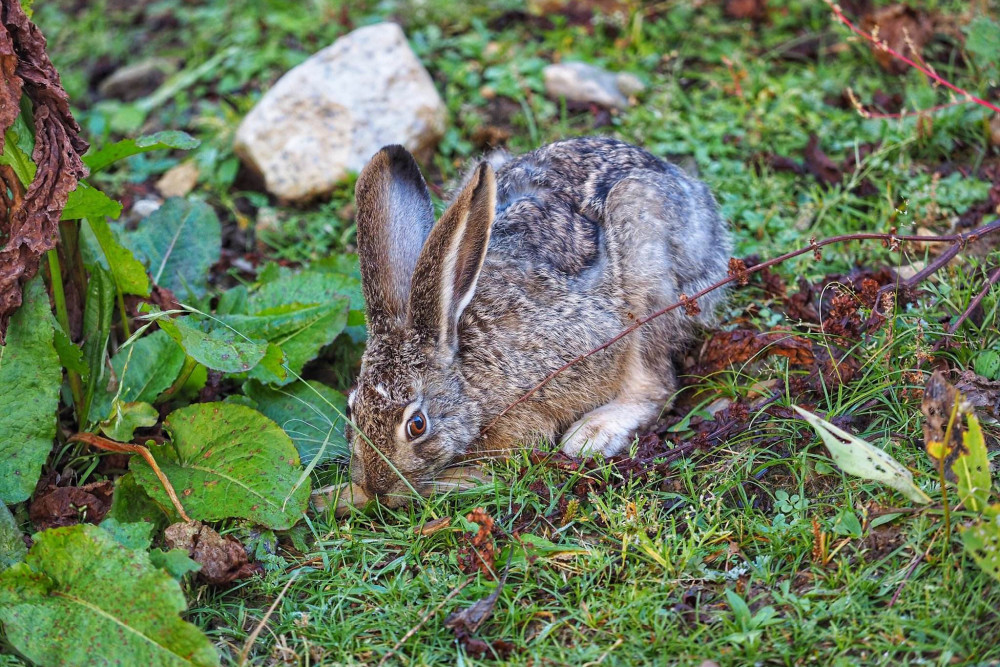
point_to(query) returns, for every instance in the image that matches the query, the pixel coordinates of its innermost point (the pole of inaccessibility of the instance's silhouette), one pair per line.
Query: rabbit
(538, 259)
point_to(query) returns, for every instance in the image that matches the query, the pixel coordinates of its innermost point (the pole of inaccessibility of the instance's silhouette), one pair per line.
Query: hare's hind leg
(609, 429)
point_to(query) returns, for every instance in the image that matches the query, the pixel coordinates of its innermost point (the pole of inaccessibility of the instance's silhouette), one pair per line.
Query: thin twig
(260, 626)
(958, 242)
(990, 282)
(416, 628)
(126, 448)
(920, 68)
(878, 115)
(906, 577)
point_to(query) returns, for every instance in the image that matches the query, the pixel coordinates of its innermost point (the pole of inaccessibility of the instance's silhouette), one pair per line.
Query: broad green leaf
(111, 153)
(81, 598)
(233, 301)
(86, 201)
(96, 330)
(226, 460)
(125, 418)
(216, 347)
(987, 364)
(131, 504)
(176, 562)
(347, 264)
(862, 459)
(144, 370)
(178, 243)
(983, 41)
(272, 368)
(70, 354)
(982, 541)
(12, 549)
(138, 535)
(310, 412)
(129, 273)
(30, 378)
(301, 331)
(972, 468)
(315, 286)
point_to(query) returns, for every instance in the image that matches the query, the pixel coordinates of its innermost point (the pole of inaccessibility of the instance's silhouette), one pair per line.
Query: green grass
(643, 571)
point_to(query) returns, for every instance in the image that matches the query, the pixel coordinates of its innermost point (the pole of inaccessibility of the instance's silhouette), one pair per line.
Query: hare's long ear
(446, 274)
(394, 218)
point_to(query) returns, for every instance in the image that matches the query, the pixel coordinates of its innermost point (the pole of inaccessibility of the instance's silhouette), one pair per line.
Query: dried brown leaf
(222, 559)
(903, 29)
(32, 228)
(69, 505)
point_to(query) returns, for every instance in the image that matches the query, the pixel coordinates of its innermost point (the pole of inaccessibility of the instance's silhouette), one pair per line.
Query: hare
(539, 258)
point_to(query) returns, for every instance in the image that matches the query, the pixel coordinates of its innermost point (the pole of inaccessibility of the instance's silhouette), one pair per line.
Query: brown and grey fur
(553, 254)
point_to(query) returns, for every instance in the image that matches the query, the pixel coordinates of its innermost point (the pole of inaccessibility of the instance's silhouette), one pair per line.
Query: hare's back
(550, 202)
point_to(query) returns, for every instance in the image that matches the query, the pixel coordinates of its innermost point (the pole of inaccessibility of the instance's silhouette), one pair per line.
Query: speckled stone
(580, 82)
(328, 116)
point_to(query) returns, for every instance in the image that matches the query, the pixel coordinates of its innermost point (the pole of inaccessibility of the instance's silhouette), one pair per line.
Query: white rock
(143, 208)
(329, 115)
(580, 82)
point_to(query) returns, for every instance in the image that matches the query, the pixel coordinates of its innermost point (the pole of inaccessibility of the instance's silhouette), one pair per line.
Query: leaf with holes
(226, 460)
(862, 459)
(310, 412)
(178, 243)
(982, 541)
(68, 603)
(30, 377)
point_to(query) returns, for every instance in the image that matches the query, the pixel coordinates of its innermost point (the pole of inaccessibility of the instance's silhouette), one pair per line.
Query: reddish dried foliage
(480, 551)
(32, 228)
(726, 348)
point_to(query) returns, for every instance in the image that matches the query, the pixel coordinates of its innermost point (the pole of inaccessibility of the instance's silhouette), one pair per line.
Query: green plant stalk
(69, 240)
(944, 486)
(59, 295)
(122, 312)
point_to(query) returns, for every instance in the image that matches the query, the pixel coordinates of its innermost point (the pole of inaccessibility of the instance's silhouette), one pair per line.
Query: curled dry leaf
(431, 527)
(222, 559)
(33, 227)
(58, 506)
(468, 620)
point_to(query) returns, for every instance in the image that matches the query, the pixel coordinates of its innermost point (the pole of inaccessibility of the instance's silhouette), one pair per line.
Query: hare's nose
(378, 483)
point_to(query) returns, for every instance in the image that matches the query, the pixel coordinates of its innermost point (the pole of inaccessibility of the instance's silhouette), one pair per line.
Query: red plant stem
(876, 115)
(127, 448)
(920, 68)
(958, 242)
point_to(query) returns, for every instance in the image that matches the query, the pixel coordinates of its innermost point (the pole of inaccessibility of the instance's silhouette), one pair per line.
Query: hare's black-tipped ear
(444, 281)
(394, 218)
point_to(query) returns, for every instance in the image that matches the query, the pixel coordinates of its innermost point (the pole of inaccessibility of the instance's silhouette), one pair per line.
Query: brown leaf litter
(32, 228)
(222, 559)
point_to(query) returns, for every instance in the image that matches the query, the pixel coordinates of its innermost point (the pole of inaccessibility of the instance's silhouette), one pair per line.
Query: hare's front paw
(607, 430)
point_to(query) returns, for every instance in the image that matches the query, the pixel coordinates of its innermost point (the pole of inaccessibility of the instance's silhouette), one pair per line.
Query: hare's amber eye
(416, 425)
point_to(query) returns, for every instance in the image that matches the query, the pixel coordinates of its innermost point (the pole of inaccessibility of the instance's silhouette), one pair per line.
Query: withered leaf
(903, 29)
(58, 506)
(735, 347)
(468, 620)
(31, 229)
(939, 401)
(222, 559)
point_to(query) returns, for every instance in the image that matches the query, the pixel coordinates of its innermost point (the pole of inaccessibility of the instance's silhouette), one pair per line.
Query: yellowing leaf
(862, 459)
(972, 469)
